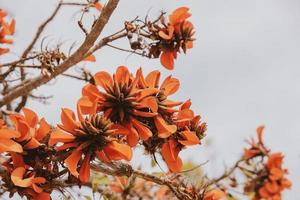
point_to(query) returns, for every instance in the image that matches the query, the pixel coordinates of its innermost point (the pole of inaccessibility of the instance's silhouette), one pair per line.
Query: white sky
(243, 71)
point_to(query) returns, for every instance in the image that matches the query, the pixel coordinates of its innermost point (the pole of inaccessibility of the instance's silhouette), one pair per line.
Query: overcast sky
(243, 71)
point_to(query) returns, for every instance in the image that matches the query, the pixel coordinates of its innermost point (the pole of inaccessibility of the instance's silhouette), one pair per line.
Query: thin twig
(29, 48)
(225, 174)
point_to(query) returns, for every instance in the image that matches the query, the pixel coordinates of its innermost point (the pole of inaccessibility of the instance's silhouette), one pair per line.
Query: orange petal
(12, 26)
(17, 178)
(149, 102)
(189, 44)
(167, 59)
(3, 13)
(3, 51)
(43, 196)
(190, 138)
(272, 187)
(90, 58)
(259, 132)
(215, 194)
(119, 129)
(104, 80)
(25, 130)
(143, 131)
(276, 174)
(102, 156)
(10, 146)
(186, 105)
(72, 162)
(98, 6)
(122, 75)
(117, 151)
(67, 146)
(84, 172)
(6, 133)
(17, 160)
(152, 79)
(147, 92)
(185, 115)
(170, 103)
(59, 136)
(85, 107)
(92, 92)
(30, 117)
(285, 183)
(32, 144)
(133, 137)
(143, 114)
(43, 130)
(38, 180)
(68, 120)
(170, 85)
(179, 15)
(164, 130)
(275, 160)
(169, 153)
(263, 192)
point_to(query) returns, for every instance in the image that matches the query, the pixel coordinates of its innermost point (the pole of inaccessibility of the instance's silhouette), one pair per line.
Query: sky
(242, 72)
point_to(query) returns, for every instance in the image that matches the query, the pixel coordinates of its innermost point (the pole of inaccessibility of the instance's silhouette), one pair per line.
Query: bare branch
(76, 57)
(123, 169)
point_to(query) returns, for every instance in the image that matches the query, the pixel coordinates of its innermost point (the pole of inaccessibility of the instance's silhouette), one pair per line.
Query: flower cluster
(84, 140)
(163, 38)
(6, 29)
(176, 35)
(142, 112)
(28, 167)
(266, 176)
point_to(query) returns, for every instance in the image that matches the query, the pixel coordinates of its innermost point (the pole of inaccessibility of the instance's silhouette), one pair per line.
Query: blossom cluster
(29, 162)
(265, 173)
(6, 29)
(142, 113)
(115, 114)
(163, 38)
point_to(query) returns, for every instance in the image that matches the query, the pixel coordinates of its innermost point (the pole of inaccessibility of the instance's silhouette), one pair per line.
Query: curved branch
(76, 57)
(123, 169)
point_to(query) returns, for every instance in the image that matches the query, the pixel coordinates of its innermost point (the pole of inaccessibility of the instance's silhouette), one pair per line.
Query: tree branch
(123, 169)
(76, 57)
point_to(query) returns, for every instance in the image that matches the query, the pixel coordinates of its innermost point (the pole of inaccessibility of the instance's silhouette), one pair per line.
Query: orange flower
(189, 132)
(160, 102)
(6, 139)
(26, 179)
(170, 153)
(215, 194)
(180, 129)
(123, 103)
(32, 130)
(257, 148)
(274, 182)
(6, 29)
(189, 126)
(86, 139)
(175, 36)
